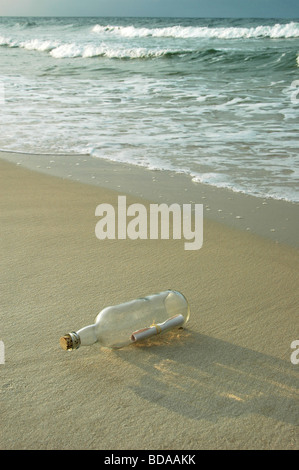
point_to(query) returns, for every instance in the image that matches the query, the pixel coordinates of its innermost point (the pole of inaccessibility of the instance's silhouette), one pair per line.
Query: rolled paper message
(155, 329)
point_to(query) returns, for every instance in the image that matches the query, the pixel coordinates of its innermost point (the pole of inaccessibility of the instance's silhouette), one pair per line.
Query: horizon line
(149, 16)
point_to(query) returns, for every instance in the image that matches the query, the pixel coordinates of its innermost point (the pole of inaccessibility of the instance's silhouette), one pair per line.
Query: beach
(224, 382)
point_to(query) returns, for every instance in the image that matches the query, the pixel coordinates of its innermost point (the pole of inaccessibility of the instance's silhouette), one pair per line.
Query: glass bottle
(133, 321)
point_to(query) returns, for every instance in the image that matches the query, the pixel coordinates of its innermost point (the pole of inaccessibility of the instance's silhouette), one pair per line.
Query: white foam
(66, 50)
(87, 51)
(4, 41)
(213, 178)
(38, 45)
(289, 30)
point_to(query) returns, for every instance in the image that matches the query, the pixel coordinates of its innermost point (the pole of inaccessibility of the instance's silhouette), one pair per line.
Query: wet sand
(274, 219)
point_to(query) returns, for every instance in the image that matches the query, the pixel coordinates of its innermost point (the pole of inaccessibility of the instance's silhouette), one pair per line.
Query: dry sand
(225, 382)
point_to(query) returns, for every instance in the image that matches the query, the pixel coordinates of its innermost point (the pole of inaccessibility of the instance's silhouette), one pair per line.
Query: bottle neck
(70, 341)
(84, 337)
(87, 335)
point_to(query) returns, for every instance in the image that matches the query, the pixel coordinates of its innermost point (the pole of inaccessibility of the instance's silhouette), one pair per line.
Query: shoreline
(226, 380)
(269, 218)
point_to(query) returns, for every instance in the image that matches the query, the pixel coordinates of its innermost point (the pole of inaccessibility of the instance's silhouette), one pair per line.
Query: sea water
(216, 99)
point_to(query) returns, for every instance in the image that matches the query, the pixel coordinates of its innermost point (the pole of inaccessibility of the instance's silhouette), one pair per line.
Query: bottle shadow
(202, 377)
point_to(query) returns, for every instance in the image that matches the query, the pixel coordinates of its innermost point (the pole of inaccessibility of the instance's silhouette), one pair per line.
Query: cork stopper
(66, 342)
(70, 341)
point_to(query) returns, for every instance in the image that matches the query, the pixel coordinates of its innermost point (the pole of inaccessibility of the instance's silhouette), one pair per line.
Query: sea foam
(289, 30)
(88, 51)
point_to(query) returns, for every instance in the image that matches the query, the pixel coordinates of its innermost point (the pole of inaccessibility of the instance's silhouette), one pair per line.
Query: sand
(225, 382)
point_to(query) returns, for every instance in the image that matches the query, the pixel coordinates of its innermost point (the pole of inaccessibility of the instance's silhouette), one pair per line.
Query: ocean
(216, 99)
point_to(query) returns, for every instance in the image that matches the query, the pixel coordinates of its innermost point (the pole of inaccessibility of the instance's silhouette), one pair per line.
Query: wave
(289, 30)
(8, 42)
(72, 50)
(230, 56)
(38, 45)
(25, 24)
(30, 45)
(226, 56)
(28, 24)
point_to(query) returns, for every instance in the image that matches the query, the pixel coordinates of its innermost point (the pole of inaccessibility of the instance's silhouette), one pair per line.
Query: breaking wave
(73, 50)
(289, 30)
(61, 50)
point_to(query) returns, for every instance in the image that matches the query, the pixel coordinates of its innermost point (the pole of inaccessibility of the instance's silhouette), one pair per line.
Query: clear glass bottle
(124, 324)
